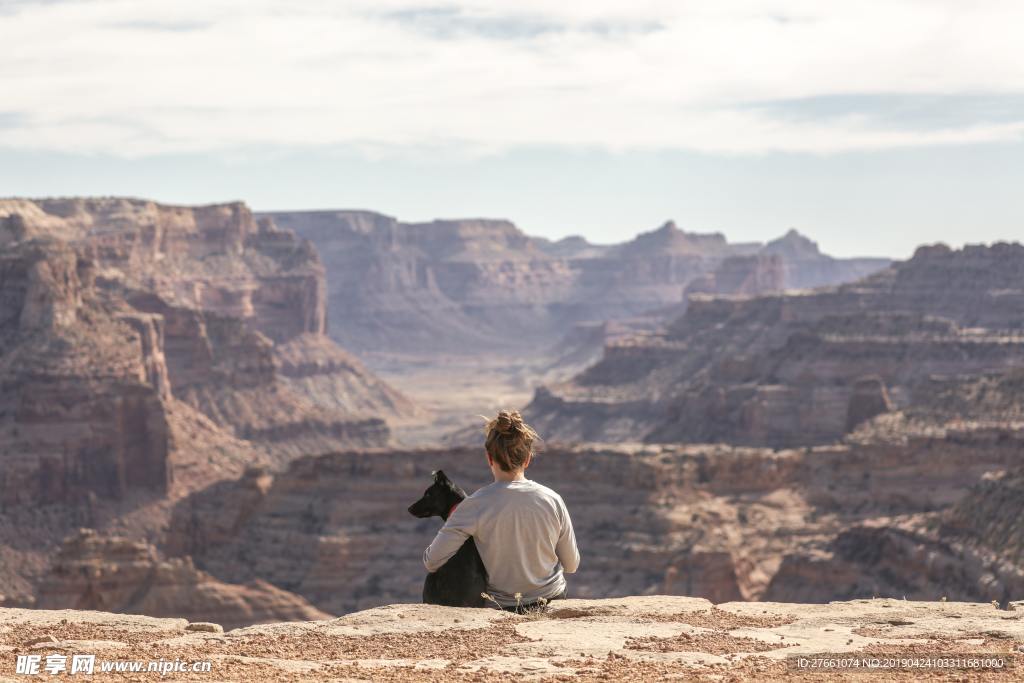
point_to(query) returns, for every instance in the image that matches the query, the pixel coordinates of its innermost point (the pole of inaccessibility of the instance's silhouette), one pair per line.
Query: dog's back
(461, 581)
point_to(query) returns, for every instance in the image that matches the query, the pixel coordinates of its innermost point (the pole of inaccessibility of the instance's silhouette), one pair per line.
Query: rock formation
(84, 405)
(147, 351)
(756, 274)
(463, 285)
(805, 267)
(115, 310)
(114, 574)
(973, 550)
(992, 516)
(804, 368)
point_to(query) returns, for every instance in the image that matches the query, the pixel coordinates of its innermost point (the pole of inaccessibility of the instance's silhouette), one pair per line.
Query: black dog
(461, 580)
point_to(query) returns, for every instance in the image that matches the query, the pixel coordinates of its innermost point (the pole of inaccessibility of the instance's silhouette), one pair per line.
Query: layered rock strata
(972, 550)
(116, 313)
(755, 274)
(115, 574)
(85, 386)
(464, 285)
(147, 351)
(804, 368)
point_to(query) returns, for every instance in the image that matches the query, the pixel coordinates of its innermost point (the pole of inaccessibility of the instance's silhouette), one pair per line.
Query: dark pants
(526, 606)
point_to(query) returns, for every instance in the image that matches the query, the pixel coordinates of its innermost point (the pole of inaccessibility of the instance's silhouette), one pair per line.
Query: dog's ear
(441, 478)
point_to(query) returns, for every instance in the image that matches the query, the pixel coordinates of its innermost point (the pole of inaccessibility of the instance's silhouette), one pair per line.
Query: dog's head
(438, 499)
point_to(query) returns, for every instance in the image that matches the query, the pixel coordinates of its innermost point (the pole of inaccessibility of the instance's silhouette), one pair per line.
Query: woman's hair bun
(508, 422)
(509, 440)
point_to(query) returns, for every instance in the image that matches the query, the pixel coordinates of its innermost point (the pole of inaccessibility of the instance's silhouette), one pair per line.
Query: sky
(871, 126)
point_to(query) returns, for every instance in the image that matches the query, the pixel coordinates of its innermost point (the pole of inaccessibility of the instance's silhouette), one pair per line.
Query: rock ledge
(643, 638)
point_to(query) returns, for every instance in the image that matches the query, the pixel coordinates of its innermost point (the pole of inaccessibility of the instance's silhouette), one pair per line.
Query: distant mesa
(459, 286)
(669, 238)
(573, 246)
(793, 245)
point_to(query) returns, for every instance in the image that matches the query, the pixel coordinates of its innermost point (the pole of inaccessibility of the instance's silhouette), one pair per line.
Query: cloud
(474, 76)
(452, 22)
(449, 22)
(142, 25)
(901, 112)
(11, 119)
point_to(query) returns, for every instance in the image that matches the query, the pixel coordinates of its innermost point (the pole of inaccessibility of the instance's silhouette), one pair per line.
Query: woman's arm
(568, 553)
(450, 538)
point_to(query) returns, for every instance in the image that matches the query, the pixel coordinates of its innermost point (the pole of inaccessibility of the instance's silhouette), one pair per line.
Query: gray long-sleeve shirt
(524, 535)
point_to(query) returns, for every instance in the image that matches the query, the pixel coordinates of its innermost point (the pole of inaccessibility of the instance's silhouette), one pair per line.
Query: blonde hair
(509, 440)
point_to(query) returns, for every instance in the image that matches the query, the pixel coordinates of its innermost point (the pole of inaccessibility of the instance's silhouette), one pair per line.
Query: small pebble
(205, 627)
(47, 639)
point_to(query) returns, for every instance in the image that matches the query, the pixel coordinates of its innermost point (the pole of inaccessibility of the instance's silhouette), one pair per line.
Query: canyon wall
(131, 331)
(805, 368)
(84, 400)
(484, 285)
(115, 574)
(214, 258)
(147, 351)
(972, 550)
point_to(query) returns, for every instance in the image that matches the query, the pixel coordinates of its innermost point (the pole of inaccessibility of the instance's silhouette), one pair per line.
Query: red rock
(84, 385)
(788, 369)
(114, 574)
(114, 312)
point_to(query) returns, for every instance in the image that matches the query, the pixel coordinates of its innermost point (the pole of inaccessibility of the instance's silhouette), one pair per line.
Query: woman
(522, 529)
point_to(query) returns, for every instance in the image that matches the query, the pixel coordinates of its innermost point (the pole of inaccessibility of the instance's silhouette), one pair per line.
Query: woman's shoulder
(544, 491)
(483, 491)
(497, 488)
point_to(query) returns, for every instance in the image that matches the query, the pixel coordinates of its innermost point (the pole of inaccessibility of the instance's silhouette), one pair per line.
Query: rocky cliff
(114, 574)
(465, 285)
(215, 258)
(147, 351)
(805, 368)
(755, 274)
(84, 405)
(972, 550)
(649, 638)
(992, 515)
(119, 307)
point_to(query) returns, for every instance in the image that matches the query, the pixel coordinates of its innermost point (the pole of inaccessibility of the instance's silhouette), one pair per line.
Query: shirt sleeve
(568, 553)
(459, 527)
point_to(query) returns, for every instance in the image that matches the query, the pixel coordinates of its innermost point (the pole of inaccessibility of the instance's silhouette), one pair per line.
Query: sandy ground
(452, 391)
(649, 638)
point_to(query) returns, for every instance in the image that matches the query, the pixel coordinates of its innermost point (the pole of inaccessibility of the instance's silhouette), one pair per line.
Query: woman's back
(525, 538)
(522, 529)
